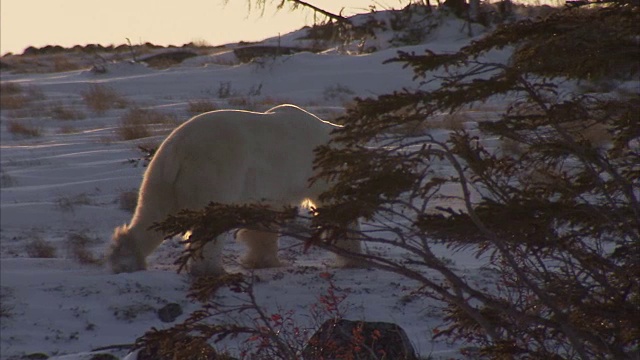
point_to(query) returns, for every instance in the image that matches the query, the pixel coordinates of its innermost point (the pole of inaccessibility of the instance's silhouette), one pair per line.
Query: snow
(69, 179)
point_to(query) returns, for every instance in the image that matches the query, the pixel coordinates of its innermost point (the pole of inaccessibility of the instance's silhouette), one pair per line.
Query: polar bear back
(234, 156)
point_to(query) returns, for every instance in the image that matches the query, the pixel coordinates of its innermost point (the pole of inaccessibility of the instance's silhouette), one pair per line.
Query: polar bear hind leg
(209, 262)
(262, 248)
(352, 245)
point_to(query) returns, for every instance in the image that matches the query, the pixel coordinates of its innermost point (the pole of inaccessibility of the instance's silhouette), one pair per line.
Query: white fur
(232, 157)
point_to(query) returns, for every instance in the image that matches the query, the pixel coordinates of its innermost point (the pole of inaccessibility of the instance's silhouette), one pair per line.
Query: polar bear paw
(123, 255)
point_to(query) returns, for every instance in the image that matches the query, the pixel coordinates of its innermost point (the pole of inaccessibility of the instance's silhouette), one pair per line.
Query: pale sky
(38, 23)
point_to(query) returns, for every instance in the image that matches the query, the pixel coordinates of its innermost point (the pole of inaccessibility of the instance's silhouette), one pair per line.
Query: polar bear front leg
(129, 249)
(262, 248)
(209, 262)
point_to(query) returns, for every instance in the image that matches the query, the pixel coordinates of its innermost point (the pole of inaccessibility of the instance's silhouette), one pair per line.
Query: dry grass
(12, 96)
(19, 128)
(200, 106)
(67, 203)
(135, 124)
(77, 248)
(13, 102)
(100, 98)
(10, 88)
(39, 248)
(62, 112)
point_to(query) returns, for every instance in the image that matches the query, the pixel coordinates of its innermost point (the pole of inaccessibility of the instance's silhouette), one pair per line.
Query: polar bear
(229, 157)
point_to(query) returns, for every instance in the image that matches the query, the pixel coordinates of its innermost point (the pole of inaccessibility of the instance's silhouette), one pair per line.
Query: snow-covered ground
(67, 183)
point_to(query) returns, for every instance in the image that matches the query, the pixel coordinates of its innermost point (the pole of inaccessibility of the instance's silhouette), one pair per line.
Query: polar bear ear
(123, 255)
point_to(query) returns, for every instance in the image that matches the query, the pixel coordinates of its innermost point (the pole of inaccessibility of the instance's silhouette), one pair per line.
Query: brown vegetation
(63, 112)
(196, 107)
(39, 248)
(136, 123)
(100, 98)
(78, 248)
(20, 128)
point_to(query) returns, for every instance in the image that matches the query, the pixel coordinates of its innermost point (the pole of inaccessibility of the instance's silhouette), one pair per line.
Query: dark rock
(362, 340)
(170, 312)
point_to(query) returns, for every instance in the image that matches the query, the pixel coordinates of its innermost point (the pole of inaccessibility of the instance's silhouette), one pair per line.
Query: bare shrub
(225, 90)
(10, 88)
(40, 248)
(13, 101)
(66, 203)
(12, 96)
(77, 248)
(100, 98)
(128, 200)
(200, 106)
(22, 129)
(62, 112)
(135, 124)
